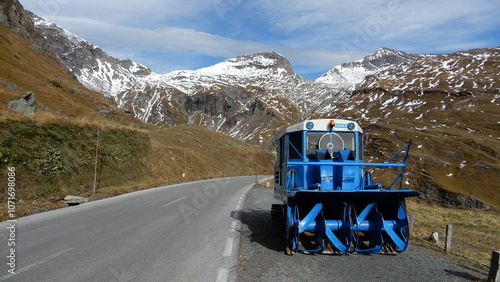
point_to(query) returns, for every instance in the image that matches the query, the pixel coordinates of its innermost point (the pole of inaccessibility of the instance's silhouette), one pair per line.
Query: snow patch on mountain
(347, 75)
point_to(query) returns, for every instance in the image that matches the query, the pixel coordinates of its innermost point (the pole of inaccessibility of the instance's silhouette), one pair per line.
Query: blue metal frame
(295, 165)
(325, 212)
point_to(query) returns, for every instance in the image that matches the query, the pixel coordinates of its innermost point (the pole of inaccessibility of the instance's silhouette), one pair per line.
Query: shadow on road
(463, 274)
(262, 230)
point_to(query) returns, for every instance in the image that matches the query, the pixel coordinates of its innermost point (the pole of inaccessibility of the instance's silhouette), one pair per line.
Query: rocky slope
(15, 18)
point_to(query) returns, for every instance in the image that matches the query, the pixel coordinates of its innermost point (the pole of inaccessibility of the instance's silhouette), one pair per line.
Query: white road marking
(234, 225)
(174, 201)
(223, 275)
(228, 250)
(36, 263)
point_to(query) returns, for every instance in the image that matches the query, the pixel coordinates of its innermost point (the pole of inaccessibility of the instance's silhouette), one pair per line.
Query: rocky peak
(93, 67)
(78, 54)
(14, 17)
(385, 57)
(253, 65)
(348, 74)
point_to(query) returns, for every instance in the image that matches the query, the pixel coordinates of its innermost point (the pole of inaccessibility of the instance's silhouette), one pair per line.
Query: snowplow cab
(330, 200)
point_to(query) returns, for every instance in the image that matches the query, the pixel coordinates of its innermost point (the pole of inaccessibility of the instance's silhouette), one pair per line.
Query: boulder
(26, 104)
(434, 238)
(73, 200)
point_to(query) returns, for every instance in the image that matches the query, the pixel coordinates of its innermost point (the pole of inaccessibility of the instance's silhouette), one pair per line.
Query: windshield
(332, 142)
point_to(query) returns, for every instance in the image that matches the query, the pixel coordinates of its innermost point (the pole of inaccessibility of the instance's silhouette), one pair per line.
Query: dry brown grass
(474, 233)
(49, 118)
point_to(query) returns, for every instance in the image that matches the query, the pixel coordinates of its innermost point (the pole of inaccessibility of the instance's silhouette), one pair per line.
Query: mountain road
(182, 232)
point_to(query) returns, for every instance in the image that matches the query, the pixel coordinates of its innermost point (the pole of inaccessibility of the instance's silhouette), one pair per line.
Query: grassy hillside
(475, 233)
(56, 157)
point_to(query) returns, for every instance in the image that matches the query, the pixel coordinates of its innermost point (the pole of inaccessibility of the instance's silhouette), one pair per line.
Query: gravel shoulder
(261, 256)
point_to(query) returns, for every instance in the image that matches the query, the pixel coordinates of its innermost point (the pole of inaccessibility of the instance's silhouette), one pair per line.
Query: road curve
(182, 232)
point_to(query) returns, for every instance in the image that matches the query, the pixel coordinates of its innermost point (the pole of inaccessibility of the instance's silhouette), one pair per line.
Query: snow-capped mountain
(247, 97)
(93, 67)
(347, 75)
(449, 106)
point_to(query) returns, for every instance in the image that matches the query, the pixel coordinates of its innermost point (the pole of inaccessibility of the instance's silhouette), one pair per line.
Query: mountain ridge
(264, 83)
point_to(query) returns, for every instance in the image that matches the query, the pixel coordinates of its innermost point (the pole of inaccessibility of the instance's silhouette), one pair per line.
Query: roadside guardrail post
(412, 223)
(494, 275)
(447, 245)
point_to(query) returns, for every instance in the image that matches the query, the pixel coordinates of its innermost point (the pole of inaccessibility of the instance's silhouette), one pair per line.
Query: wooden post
(447, 245)
(96, 158)
(494, 275)
(185, 165)
(411, 223)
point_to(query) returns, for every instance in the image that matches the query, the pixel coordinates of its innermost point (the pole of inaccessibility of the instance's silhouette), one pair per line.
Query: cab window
(313, 138)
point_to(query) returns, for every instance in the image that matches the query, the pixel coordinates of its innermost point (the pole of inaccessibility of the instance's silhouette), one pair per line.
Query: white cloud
(166, 38)
(188, 40)
(316, 34)
(137, 13)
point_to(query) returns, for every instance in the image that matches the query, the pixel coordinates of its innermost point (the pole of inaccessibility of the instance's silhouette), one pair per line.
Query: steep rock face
(18, 20)
(224, 97)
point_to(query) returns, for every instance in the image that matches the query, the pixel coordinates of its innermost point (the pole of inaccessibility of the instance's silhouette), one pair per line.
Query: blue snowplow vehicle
(331, 203)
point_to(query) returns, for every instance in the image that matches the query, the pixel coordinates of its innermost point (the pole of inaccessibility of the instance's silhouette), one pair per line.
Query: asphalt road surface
(261, 256)
(212, 230)
(183, 232)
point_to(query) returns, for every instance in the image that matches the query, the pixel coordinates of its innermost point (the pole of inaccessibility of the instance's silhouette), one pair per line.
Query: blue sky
(314, 35)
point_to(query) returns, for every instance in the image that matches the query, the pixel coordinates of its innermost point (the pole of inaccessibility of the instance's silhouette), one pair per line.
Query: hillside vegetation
(55, 157)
